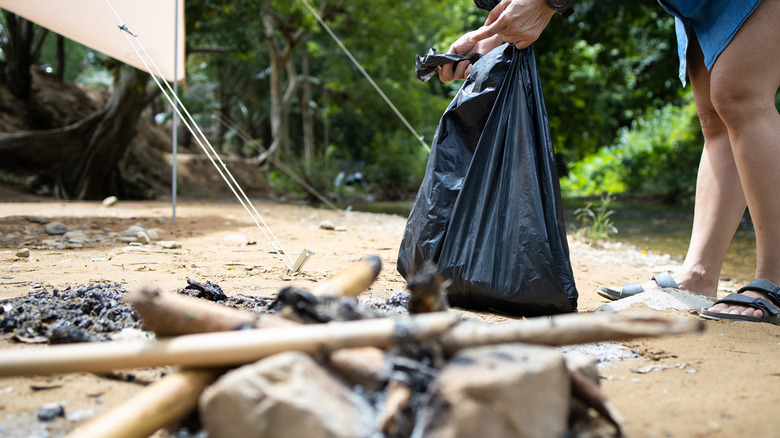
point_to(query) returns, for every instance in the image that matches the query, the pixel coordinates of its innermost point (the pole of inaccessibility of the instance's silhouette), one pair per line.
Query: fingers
(492, 25)
(461, 71)
(496, 12)
(485, 32)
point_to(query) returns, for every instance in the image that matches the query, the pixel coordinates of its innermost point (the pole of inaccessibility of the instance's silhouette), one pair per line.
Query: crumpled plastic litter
(425, 66)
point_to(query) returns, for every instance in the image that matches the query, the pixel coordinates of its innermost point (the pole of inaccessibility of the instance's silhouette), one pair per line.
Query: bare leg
(720, 202)
(744, 81)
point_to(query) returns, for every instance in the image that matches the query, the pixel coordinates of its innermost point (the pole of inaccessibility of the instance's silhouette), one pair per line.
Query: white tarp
(94, 24)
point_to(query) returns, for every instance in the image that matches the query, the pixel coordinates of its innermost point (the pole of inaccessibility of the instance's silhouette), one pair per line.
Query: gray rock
(37, 219)
(56, 228)
(285, 395)
(75, 236)
(154, 233)
(23, 253)
(169, 244)
(502, 391)
(133, 230)
(142, 237)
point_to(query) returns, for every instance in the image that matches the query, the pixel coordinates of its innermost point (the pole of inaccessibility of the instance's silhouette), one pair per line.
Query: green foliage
(596, 225)
(602, 68)
(397, 166)
(657, 157)
(609, 75)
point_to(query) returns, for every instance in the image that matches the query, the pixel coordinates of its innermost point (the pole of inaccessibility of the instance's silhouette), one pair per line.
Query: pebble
(37, 219)
(23, 253)
(56, 228)
(50, 411)
(75, 236)
(154, 233)
(143, 237)
(133, 230)
(169, 244)
(111, 200)
(327, 225)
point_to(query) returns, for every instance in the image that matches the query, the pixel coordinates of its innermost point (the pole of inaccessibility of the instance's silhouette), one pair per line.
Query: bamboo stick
(171, 314)
(222, 348)
(153, 407)
(353, 280)
(568, 329)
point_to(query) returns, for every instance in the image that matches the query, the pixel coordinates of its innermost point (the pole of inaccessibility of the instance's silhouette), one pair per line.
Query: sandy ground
(722, 382)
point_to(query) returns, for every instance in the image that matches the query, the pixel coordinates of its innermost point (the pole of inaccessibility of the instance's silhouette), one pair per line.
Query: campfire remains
(321, 364)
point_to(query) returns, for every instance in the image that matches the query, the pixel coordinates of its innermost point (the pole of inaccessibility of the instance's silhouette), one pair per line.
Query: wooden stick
(172, 314)
(223, 348)
(153, 407)
(427, 290)
(568, 329)
(353, 280)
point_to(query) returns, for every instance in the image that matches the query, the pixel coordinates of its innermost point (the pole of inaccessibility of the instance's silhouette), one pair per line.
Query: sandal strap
(664, 279)
(767, 306)
(632, 289)
(765, 286)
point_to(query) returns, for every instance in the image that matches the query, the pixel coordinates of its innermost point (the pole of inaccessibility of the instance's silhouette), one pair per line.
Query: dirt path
(723, 382)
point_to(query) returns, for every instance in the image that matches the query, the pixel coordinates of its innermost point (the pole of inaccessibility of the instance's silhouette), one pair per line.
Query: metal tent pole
(175, 104)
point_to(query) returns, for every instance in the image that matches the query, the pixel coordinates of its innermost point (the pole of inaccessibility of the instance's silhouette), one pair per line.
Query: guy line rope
(211, 153)
(205, 145)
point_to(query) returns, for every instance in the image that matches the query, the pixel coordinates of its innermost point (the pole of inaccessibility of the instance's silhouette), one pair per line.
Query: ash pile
(320, 363)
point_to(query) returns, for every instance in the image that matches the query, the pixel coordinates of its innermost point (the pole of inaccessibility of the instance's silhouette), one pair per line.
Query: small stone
(327, 225)
(50, 411)
(143, 237)
(236, 238)
(169, 244)
(133, 230)
(37, 219)
(75, 236)
(154, 233)
(108, 202)
(23, 253)
(56, 228)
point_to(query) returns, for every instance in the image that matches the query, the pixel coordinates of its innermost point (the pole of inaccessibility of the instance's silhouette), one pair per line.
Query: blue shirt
(714, 22)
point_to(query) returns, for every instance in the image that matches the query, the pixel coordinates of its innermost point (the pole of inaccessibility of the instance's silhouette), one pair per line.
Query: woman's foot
(734, 309)
(687, 282)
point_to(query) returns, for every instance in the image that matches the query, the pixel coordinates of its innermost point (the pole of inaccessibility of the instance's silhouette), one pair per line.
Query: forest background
(266, 82)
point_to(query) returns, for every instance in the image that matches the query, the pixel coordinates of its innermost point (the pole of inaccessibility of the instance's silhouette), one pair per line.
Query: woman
(732, 52)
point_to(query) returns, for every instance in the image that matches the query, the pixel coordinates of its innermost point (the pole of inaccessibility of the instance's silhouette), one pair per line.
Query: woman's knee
(738, 100)
(711, 124)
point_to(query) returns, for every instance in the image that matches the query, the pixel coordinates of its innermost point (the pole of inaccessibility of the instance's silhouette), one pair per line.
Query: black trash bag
(489, 211)
(425, 66)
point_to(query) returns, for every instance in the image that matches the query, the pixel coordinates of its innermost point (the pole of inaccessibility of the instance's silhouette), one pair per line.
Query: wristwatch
(563, 7)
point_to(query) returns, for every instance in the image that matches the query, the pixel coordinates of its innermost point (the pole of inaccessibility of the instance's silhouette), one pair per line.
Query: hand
(464, 46)
(520, 22)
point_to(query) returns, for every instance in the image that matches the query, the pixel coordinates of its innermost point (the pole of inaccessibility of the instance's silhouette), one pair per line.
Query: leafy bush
(397, 165)
(657, 157)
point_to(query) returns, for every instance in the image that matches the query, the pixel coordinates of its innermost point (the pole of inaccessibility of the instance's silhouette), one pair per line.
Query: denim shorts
(714, 22)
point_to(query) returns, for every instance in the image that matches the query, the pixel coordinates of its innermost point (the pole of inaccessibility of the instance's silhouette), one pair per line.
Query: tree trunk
(18, 55)
(306, 116)
(83, 160)
(98, 167)
(281, 98)
(60, 58)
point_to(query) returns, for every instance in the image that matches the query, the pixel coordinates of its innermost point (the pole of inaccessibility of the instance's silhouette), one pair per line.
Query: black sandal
(768, 306)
